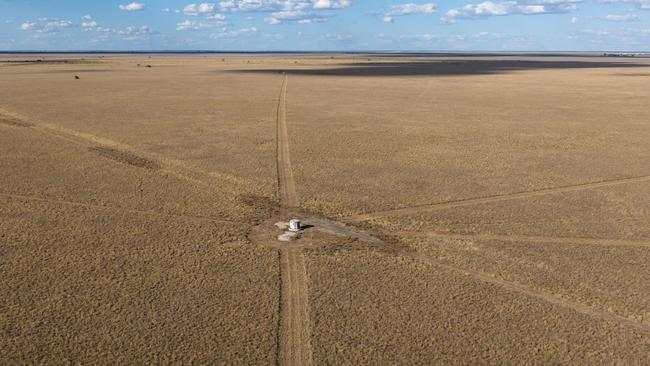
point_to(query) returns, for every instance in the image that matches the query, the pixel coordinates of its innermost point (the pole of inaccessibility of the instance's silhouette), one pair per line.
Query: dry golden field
(460, 209)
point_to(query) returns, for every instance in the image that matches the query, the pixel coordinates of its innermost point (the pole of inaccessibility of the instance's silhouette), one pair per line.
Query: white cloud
(234, 33)
(170, 10)
(311, 20)
(264, 5)
(300, 11)
(331, 4)
(27, 26)
(407, 9)
(132, 33)
(339, 37)
(216, 16)
(622, 18)
(574, 20)
(299, 16)
(203, 8)
(59, 24)
(86, 17)
(190, 25)
(289, 15)
(47, 25)
(132, 7)
(641, 4)
(525, 7)
(89, 24)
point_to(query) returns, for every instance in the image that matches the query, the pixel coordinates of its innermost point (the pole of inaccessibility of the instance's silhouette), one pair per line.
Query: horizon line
(320, 52)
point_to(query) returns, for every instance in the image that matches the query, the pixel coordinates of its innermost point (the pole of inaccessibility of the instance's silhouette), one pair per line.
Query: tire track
(286, 184)
(295, 334)
(541, 295)
(295, 327)
(527, 238)
(495, 198)
(181, 170)
(110, 208)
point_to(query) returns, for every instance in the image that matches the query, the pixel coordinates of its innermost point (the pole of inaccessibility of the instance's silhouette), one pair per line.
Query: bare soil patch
(126, 157)
(14, 122)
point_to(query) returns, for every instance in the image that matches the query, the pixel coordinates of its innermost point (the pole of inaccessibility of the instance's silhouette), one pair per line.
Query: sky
(325, 25)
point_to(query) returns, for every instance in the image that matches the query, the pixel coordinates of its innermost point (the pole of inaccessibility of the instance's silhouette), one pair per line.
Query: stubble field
(489, 210)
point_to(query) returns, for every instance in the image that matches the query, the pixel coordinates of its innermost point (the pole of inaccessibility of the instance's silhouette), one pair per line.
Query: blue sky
(312, 25)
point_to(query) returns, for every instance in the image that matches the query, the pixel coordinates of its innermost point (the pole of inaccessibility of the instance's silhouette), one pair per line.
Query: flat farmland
(372, 308)
(456, 209)
(120, 103)
(604, 212)
(385, 141)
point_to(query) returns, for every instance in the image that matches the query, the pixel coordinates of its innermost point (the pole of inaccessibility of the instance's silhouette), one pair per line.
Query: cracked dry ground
(137, 210)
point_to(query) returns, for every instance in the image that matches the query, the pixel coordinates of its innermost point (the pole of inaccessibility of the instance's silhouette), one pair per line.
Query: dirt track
(286, 184)
(556, 300)
(295, 334)
(123, 153)
(533, 239)
(295, 341)
(498, 198)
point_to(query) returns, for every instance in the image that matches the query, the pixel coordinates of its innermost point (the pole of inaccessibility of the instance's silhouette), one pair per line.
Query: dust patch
(125, 157)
